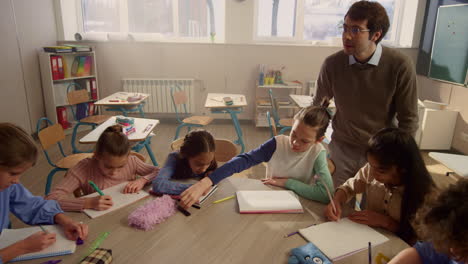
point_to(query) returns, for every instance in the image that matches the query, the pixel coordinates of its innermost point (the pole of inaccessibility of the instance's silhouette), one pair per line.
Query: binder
(62, 117)
(87, 66)
(81, 62)
(74, 67)
(54, 67)
(61, 73)
(91, 108)
(88, 86)
(93, 89)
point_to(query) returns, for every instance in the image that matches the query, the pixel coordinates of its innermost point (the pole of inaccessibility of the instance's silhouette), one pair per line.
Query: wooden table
(216, 234)
(118, 102)
(214, 101)
(143, 134)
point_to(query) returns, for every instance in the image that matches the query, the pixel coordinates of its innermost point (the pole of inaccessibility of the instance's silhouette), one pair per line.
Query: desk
(216, 234)
(143, 134)
(118, 102)
(214, 101)
(457, 163)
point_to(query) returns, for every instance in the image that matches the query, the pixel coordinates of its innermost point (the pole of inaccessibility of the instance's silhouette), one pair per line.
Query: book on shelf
(58, 49)
(54, 68)
(78, 48)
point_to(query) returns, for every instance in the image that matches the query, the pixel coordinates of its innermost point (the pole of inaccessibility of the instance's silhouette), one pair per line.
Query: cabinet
(58, 71)
(436, 127)
(280, 91)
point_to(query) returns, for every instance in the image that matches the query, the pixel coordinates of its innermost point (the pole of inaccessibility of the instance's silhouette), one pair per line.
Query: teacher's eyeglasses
(352, 30)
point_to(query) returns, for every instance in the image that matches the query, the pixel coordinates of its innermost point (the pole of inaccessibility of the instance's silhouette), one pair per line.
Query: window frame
(395, 28)
(124, 26)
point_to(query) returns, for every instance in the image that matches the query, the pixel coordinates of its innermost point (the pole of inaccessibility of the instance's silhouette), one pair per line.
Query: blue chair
(79, 97)
(52, 135)
(283, 124)
(179, 97)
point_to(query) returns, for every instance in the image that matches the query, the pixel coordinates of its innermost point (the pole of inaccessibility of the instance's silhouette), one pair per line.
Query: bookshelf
(281, 91)
(56, 81)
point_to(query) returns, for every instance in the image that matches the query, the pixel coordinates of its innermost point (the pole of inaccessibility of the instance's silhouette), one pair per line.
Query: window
(194, 19)
(323, 17)
(317, 20)
(276, 18)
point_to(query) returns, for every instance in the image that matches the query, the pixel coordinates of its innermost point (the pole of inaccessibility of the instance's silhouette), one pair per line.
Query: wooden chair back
(138, 155)
(78, 96)
(180, 97)
(51, 135)
(225, 149)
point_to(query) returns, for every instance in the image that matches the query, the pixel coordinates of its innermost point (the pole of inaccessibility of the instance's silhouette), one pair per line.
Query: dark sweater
(368, 97)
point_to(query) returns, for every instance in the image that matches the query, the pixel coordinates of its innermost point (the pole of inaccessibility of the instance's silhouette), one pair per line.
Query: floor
(35, 178)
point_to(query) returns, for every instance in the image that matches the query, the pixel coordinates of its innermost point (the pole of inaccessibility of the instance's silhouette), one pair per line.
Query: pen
(224, 199)
(370, 253)
(43, 229)
(147, 128)
(182, 210)
(95, 187)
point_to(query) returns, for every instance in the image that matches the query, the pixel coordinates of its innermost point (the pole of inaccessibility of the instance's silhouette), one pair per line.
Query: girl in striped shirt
(110, 165)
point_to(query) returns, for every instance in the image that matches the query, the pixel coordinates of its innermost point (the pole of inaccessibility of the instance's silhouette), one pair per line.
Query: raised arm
(163, 183)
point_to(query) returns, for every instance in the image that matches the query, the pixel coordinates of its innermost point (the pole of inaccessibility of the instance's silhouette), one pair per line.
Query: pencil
(370, 253)
(224, 199)
(329, 194)
(44, 230)
(95, 187)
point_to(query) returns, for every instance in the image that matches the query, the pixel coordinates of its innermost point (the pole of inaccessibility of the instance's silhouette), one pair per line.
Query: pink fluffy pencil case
(152, 213)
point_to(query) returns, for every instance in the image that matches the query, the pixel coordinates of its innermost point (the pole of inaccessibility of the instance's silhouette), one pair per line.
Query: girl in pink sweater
(110, 165)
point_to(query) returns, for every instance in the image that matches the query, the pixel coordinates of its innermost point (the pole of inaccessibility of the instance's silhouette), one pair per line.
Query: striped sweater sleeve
(145, 170)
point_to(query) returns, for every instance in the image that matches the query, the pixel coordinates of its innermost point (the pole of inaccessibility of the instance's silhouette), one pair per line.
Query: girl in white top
(292, 160)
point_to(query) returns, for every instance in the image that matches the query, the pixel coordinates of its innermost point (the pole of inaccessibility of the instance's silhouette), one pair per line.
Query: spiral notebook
(268, 202)
(119, 199)
(62, 246)
(342, 238)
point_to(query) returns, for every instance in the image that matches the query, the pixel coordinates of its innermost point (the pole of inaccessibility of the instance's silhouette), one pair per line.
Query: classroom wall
(226, 68)
(25, 26)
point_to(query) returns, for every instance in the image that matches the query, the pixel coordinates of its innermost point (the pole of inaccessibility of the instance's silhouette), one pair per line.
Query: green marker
(95, 187)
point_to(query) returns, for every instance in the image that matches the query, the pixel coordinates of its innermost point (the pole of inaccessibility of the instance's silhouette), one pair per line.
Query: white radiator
(160, 100)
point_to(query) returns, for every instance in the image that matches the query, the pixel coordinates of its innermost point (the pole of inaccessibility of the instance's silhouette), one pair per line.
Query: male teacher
(373, 87)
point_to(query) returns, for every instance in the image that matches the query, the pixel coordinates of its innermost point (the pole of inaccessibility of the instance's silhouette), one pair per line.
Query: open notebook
(120, 199)
(342, 238)
(62, 246)
(268, 202)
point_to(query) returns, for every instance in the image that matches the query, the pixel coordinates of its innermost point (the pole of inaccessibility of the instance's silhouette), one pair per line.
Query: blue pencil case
(307, 254)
